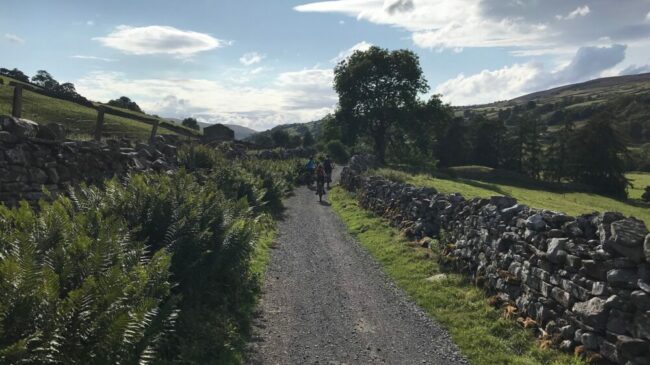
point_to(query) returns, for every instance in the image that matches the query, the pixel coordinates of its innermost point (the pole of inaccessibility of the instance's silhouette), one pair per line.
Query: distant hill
(627, 98)
(314, 127)
(241, 132)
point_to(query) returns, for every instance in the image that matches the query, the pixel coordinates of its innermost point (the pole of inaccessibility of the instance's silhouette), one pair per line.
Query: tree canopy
(597, 152)
(126, 103)
(45, 80)
(14, 74)
(191, 123)
(280, 138)
(377, 90)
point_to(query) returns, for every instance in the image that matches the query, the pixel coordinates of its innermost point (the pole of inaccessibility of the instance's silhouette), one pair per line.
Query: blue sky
(262, 63)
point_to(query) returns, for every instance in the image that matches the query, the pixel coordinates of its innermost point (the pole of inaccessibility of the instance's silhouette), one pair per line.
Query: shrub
(337, 151)
(194, 157)
(156, 268)
(77, 288)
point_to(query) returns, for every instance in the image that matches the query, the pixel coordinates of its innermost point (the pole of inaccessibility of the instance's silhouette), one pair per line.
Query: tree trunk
(380, 147)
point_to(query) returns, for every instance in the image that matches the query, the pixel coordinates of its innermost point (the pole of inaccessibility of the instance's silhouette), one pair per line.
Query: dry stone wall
(34, 157)
(585, 281)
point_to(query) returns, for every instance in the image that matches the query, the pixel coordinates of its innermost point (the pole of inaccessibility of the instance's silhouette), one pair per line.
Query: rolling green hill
(241, 132)
(300, 129)
(627, 98)
(78, 119)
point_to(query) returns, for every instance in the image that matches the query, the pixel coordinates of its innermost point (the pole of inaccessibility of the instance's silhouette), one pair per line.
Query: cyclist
(310, 167)
(320, 180)
(328, 165)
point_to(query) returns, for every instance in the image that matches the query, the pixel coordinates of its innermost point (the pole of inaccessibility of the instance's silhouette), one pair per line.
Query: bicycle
(320, 190)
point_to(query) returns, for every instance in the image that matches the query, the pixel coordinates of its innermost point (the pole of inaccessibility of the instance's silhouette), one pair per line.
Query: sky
(260, 63)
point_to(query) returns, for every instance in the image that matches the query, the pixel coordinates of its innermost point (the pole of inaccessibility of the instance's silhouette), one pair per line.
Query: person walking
(328, 166)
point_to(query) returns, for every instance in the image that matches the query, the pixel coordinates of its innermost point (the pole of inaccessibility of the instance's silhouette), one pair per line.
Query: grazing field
(573, 203)
(79, 120)
(480, 331)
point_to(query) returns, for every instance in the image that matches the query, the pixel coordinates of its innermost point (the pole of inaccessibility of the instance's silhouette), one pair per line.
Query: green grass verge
(639, 181)
(480, 332)
(573, 203)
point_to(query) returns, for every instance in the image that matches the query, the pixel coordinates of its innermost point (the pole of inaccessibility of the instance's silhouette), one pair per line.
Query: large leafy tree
(308, 139)
(45, 80)
(126, 103)
(377, 90)
(431, 120)
(488, 138)
(597, 157)
(557, 161)
(281, 138)
(452, 146)
(191, 123)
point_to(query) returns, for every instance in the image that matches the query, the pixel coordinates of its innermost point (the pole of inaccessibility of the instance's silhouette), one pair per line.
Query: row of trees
(14, 74)
(49, 84)
(279, 137)
(380, 106)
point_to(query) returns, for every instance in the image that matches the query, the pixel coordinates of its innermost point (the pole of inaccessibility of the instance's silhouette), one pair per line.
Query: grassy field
(573, 203)
(79, 120)
(480, 331)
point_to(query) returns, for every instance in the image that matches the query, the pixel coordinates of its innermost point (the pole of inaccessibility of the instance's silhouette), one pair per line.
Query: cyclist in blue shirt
(310, 167)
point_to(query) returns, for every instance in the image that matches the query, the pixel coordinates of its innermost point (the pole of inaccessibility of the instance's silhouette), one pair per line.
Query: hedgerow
(155, 268)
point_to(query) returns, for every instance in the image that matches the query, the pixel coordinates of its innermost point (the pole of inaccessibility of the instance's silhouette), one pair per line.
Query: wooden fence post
(18, 102)
(154, 130)
(100, 124)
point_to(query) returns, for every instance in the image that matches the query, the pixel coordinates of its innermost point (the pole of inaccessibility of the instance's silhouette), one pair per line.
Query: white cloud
(488, 86)
(90, 23)
(522, 25)
(580, 11)
(361, 46)
(518, 79)
(158, 39)
(94, 58)
(242, 75)
(251, 58)
(298, 96)
(13, 38)
(398, 6)
(647, 17)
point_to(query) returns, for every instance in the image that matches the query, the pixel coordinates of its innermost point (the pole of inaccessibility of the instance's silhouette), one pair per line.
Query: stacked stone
(584, 280)
(33, 157)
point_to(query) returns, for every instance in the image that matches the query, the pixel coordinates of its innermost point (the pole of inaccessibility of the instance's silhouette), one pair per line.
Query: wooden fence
(102, 110)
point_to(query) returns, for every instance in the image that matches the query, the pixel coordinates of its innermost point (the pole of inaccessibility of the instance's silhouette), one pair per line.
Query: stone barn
(218, 132)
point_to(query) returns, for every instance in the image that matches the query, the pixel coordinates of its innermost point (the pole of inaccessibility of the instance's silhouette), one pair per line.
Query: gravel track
(327, 301)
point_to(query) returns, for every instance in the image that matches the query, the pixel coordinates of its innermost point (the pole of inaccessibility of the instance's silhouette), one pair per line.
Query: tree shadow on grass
(482, 185)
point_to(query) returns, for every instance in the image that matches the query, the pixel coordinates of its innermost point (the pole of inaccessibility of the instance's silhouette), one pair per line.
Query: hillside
(314, 127)
(241, 132)
(80, 120)
(627, 98)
